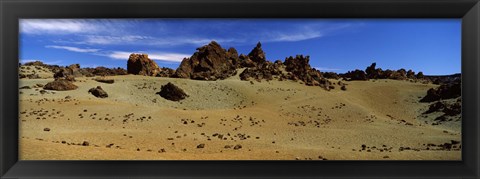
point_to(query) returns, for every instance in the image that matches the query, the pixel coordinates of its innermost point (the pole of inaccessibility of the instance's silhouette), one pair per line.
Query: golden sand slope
(270, 120)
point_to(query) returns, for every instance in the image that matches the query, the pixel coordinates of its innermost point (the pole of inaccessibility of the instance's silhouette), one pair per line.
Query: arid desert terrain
(233, 114)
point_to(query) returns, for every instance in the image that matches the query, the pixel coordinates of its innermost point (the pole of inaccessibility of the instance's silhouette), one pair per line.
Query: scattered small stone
(238, 146)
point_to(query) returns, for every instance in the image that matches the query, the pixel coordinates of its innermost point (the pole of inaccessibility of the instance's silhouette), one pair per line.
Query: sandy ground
(276, 120)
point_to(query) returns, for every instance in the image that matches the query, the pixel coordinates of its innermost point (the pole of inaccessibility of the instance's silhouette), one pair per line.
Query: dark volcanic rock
(140, 64)
(438, 106)
(98, 92)
(356, 75)
(372, 72)
(166, 72)
(330, 75)
(60, 85)
(448, 108)
(265, 71)
(103, 71)
(445, 91)
(257, 55)
(299, 69)
(246, 62)
(172, 92)
(411, 74)
(420, 75)
(104, 80)
(401, 74)
(210, 62)
(232, 56)
(453, 109)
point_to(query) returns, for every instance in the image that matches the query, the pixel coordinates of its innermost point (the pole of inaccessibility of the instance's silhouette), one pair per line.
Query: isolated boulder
(60, 85)
(98, 92)
(172, 92)
(140, 64)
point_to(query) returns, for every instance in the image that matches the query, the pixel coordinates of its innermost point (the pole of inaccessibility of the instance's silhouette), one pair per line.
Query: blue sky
(338, 45)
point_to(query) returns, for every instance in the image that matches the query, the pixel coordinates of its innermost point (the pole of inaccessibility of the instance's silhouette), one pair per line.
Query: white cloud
(73, 49)
(161, 56)
(293, 37)
(145, 40)
(327, 69)
(138, 32)
(56, 26)
(109, 40)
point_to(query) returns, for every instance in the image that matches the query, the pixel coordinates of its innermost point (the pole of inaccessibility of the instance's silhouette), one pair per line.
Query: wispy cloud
(165, 33)
(73, 49)
(56, 26)
(161, 56)
(145, 40)
(327, 69)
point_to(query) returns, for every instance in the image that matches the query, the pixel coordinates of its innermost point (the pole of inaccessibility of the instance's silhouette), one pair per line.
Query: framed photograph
(222, 89)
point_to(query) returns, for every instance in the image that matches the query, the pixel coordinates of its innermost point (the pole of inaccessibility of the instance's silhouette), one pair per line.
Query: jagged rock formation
(264, 71)
(166, 72)
(103, 71)
(444, 79)
(401, 74)
(299, 69)
(140, 64)
(330, 75)
(60, 85)
(98, 92)
(210, 62)
(355, 75)
(172, 92)
(257, 55)
(445, 91)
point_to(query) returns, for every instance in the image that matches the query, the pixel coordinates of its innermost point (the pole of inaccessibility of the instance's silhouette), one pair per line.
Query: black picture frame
(12, 10)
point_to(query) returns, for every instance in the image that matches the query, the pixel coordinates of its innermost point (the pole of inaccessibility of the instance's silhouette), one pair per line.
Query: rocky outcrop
(265, 71)
(330, 75)
(355, 75)
(232, 56)
(98, 92)
(445, 91)
(210, 62)
(448, 108)
(401, 74)
(298, 68)
(60, 85)
(172, 92)
(140, 64)
(166, 72)
(103, 71)
(246, 62)
(257, 55)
